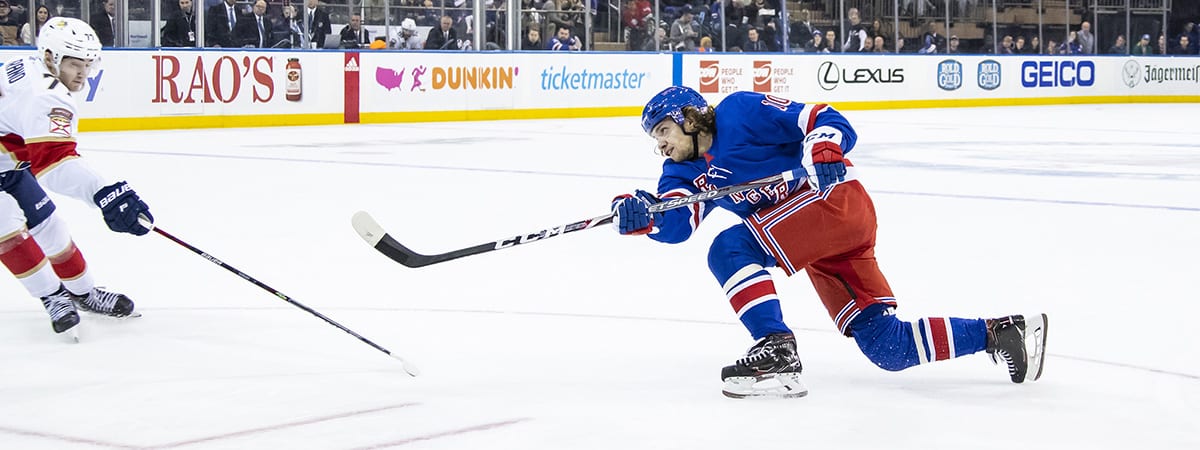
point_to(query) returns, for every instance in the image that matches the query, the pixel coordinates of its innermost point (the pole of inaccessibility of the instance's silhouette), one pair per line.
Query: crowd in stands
(679, 26)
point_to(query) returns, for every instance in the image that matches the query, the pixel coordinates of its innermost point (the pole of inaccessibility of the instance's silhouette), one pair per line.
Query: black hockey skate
(100, 301)
(771, 361)
(62, 311)
(1020, 343)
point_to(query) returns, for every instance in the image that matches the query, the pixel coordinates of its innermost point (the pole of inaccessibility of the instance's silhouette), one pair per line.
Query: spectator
(868, 45)
(563, 40)
(408, 38)
(1183, 48)
(1052, 47)
(1119, 47)
(556, 16)
(1035, 45)
(705, 45)
(659, 42)
(102, 22)
(637, 17)
(1071, 45)
(953, 48)
(900, 44)
(879, 43)
(1019, 46)
(932, 41)
(683, 32)
(442, 37)
(254, 31)
(856, 32)
(1085, 38)
(816, 44)
(1143, 47)
(801, 31)
(10, 25)
(1162, 45)
(27, 34)
(291, 23)
(753, 43)
(831, 45)
(353, 35)
(533, 39)
(317, 21)
(1006, 45)
(220, 24)
(1193, 33)
(180, 29)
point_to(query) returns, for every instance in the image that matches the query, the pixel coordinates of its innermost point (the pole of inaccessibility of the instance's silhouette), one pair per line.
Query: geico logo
(473, 77)
(1057, 73)
(213, 80)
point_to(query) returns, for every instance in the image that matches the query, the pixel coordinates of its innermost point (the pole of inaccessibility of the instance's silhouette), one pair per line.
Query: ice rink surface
(597, 341)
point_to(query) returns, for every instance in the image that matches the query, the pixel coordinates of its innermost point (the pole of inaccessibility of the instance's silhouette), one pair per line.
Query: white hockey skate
(1020, 342)
(770, 368)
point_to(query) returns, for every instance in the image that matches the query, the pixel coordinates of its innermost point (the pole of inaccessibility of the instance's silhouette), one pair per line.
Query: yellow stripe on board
(198, 121)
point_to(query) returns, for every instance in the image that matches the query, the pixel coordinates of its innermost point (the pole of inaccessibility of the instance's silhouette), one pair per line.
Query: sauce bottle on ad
(293, 86)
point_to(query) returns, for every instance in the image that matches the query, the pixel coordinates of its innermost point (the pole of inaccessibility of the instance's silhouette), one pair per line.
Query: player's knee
(733, 249)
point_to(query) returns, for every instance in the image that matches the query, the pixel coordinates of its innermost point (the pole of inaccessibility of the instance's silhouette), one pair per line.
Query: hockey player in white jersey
(38, 125)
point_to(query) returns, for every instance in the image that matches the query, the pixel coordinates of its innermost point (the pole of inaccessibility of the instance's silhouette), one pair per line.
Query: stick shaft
(272, 290)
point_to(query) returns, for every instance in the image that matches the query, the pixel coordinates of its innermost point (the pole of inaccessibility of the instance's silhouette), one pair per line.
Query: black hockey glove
(121, 207)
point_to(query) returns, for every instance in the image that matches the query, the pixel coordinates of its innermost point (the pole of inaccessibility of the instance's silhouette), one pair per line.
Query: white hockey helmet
(66, 36)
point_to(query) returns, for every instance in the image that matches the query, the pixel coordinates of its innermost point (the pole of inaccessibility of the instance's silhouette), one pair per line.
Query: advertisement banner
(409, 82)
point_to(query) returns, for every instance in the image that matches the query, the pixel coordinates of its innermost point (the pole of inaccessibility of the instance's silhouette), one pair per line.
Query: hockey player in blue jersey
(820, 221)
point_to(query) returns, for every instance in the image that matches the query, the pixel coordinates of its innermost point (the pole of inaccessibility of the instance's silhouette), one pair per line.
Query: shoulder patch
(60, 121)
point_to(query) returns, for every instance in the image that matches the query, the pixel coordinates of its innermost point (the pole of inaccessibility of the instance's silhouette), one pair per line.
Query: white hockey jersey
(38, 124)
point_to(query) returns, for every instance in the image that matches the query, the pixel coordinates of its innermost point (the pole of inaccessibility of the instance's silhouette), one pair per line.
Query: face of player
(73, 73)
(672, 142)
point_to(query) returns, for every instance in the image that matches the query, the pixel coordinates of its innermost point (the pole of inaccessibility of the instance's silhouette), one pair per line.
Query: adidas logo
(352, 65)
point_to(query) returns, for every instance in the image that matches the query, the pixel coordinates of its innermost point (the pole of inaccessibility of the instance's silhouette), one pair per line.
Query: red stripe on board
(941, 342)
(751, 293)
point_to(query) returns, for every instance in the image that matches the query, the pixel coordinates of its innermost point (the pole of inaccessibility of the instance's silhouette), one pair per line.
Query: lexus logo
(829, 75)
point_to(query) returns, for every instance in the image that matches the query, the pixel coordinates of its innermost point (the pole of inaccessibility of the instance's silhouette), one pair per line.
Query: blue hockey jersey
(757, 136)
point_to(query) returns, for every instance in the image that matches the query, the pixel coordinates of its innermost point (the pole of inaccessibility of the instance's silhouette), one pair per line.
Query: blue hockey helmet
(670, 103)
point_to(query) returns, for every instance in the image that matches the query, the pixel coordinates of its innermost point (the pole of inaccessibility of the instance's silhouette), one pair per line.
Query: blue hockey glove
(632, 213)
(121, 207)
(826, 166)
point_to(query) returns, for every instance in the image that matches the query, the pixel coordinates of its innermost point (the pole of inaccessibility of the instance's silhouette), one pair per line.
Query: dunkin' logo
(708, 76)
(762, 76)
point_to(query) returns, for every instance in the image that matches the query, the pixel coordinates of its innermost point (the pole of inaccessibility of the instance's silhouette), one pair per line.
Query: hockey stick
(377, 237)
(409, 367)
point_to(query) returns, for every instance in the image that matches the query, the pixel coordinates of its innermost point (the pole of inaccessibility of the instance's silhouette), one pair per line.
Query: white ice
(592, 340)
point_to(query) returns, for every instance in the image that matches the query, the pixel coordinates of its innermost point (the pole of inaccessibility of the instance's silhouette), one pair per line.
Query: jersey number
(781, 103)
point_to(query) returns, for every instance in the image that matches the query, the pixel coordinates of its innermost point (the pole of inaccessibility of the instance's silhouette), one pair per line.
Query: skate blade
(1035, 330)
(767, 386)
(132, 315)
(70, 335)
